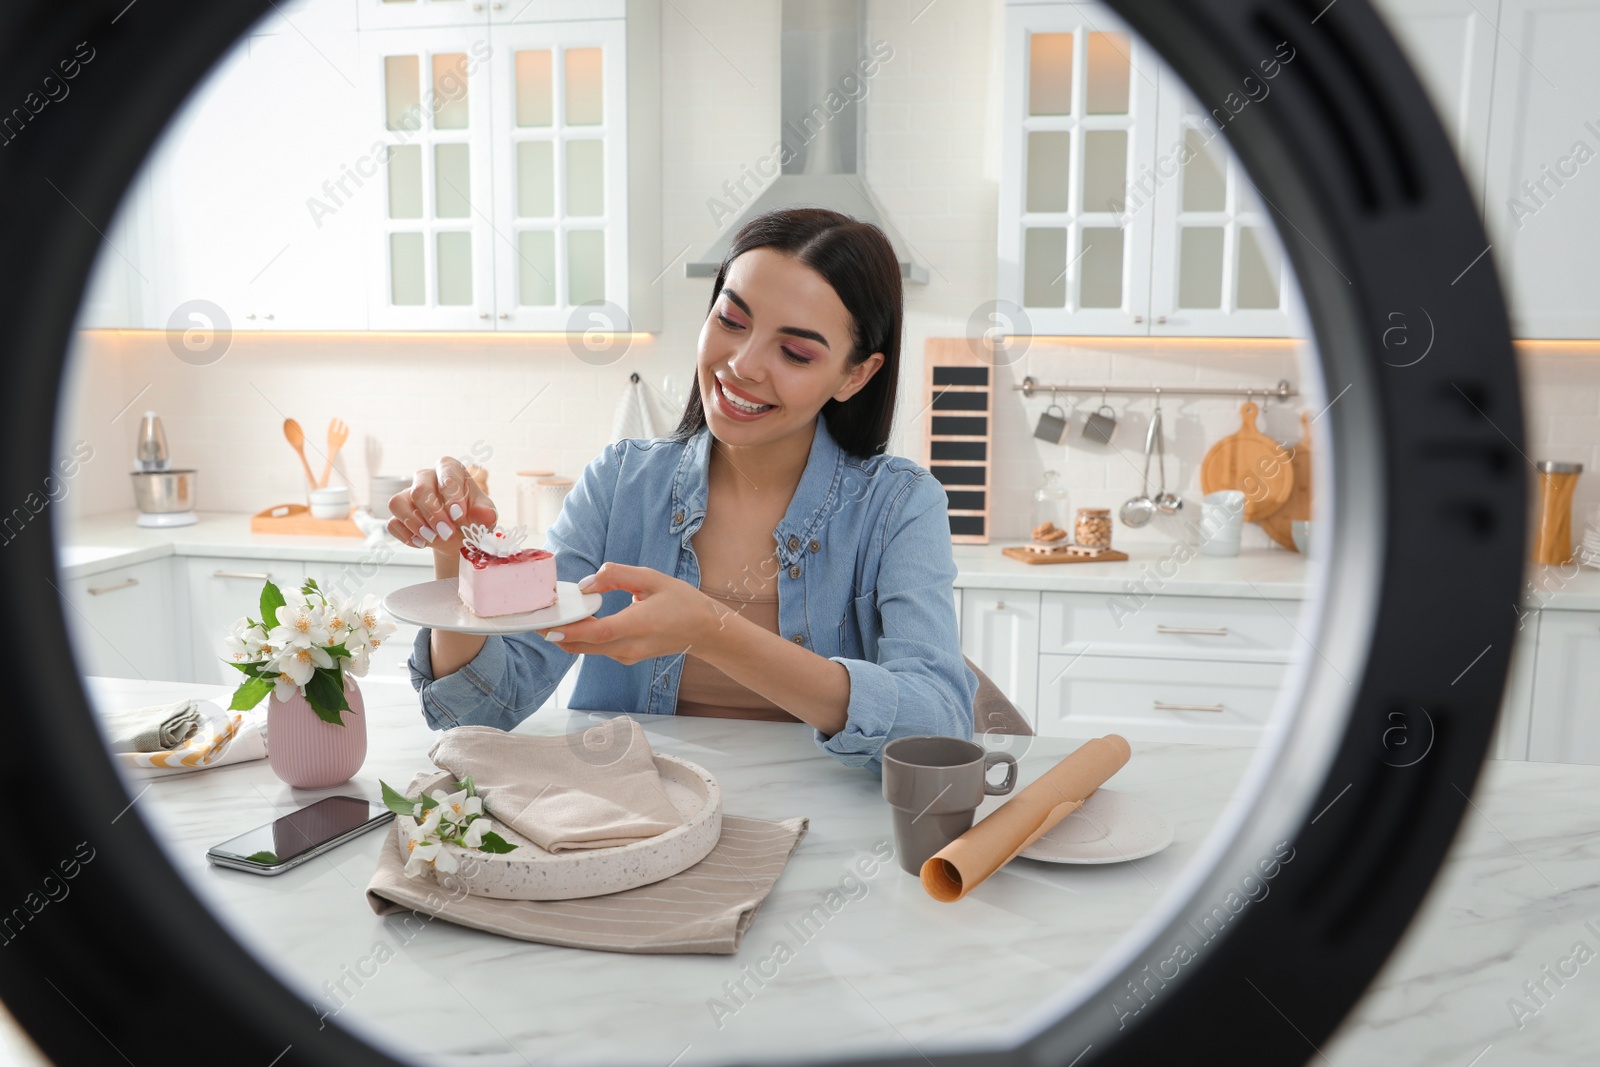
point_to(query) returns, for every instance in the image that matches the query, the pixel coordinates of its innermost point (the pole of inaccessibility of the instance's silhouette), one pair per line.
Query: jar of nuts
(1094, 527)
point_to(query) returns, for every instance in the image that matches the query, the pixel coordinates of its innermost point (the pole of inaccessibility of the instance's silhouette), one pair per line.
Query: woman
(766, 561)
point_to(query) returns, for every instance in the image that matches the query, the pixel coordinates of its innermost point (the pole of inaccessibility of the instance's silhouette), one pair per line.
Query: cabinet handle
(999, 605)
(241, 574)
(127, 583)
(1161, 320)
(505, 314)
(1163, 706)
(1138, 318)
(268, 315)
(251, 315)
(1202, 631)
(484, 315)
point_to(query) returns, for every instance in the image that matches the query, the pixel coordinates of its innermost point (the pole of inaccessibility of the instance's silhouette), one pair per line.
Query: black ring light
(1376, 219)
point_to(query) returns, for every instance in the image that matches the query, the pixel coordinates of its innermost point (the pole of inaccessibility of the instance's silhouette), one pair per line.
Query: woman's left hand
(667, 616)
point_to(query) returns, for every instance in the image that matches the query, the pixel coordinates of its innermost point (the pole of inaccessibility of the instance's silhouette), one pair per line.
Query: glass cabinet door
(429, 99)
(1218, 265)
(560, 174)
(1074, 229)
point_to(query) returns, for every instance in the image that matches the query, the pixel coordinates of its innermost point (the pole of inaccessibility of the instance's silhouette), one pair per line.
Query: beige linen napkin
(963, 864)
(705, 908)
(157, 728)
(594, 789)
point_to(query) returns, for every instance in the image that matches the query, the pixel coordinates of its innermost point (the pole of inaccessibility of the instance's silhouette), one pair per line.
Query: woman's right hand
(439, 503)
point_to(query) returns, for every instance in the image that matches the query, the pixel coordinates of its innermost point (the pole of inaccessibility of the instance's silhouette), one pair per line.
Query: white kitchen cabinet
(1564, 726)
(250, 193)
(1201, 702)
(1451, 45)
(128, 623)
(1080, 117)
(220, 591)
(1000, 633)
(1516, 706)
(1543, 181)
(506, 175)
(420, 14)
(1168, 627)
(1122, 212)
(1217, 266)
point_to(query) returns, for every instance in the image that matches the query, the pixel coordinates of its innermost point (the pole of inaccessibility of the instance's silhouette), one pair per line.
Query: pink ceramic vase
(308, 753)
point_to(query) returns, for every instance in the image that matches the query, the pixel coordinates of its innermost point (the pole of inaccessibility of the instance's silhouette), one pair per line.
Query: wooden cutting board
(1279, 524)
(296, 519)
(1250, 461)
(1110, 556)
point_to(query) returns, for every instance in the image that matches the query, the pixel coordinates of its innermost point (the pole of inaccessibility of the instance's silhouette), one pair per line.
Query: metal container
(163, 492)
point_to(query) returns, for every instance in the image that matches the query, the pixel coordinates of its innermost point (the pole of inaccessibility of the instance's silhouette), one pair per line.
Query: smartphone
(300, 836)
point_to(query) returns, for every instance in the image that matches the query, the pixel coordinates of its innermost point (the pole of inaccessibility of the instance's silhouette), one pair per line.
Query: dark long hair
(858, 261)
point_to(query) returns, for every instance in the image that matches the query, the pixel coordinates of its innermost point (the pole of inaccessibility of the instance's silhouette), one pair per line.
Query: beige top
(705, 690)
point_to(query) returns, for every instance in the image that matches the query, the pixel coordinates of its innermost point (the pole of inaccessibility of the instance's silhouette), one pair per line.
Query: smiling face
(775, 348)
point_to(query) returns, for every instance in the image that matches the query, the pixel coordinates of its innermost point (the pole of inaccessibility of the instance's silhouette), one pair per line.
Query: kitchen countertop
(890, 972)
(99, 543)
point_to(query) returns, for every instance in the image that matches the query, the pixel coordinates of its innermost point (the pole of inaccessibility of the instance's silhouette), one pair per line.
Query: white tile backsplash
(931, 138)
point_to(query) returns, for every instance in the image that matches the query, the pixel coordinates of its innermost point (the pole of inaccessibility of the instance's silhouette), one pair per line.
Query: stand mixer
(165, 497)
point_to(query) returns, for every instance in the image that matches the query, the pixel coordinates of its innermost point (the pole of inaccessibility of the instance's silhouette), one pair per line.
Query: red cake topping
(481, 559)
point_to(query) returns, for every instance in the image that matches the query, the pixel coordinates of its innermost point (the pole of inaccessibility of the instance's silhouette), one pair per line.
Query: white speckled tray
(531, 873)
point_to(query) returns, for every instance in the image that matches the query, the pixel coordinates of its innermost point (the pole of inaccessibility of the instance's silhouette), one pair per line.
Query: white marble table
(890, 970)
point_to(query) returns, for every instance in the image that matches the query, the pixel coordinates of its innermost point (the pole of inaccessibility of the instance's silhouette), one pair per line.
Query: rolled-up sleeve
(513, 674)
(919, 682)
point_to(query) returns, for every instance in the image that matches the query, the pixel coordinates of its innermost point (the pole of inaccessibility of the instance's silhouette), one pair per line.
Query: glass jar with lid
(1051, 504)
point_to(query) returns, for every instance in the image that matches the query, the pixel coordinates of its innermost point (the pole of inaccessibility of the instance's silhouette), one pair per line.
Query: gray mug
(1101, 424)
(1051, 427)
(934, 786)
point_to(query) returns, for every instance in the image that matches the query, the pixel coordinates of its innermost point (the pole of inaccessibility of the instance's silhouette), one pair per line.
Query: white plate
(1111, 827)
(531, 873)
(437, 606)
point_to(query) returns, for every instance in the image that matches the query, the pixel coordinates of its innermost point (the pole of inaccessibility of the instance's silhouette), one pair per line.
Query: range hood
(823, 63)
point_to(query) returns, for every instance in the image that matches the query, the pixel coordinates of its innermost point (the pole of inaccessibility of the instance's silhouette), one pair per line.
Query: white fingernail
(445, 530)
(419, 542)
(428, 535)
(584, 583)
(555, 635)
(456, 512)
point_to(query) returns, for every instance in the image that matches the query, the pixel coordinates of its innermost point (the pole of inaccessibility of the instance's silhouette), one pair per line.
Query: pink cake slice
(507, 585)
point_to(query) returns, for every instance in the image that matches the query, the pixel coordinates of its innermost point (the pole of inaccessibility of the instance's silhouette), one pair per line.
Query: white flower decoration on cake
(495, 542)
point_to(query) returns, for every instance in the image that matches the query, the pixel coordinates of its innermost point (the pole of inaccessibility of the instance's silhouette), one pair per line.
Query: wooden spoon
(297, 440)
(338, 434)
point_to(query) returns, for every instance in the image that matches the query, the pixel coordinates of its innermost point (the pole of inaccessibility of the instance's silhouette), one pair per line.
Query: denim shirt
(864, 572)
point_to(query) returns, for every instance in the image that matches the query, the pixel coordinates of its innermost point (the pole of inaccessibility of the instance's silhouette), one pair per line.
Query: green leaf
(396, 801)
(270, 858)
(251, 667)
(493, 842)
(249, 694)
(338, 651)
(310, 586)
(271, 601)
(428, 803)
(466, 783)
(325, 692)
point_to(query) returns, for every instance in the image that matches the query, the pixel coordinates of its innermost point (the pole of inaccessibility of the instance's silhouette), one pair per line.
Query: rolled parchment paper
(963, 864)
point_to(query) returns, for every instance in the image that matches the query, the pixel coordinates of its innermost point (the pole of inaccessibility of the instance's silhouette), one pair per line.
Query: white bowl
(332, 503)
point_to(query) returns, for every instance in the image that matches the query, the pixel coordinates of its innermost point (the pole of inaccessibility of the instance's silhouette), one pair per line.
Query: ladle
(1139, 510)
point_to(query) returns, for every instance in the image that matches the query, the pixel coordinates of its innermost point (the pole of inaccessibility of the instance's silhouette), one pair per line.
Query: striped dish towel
(705, 908)
(223, 737)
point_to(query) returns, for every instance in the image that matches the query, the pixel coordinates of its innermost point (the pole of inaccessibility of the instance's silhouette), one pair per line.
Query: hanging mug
(1101, 424)
(1052, 428)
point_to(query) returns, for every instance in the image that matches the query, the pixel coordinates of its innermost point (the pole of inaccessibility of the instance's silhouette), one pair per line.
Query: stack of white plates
(1589, 547)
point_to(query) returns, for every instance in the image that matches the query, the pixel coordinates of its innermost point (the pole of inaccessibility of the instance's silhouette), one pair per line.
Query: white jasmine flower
(299, 624)
(457, 806)
(300, 662)
(474, 833)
